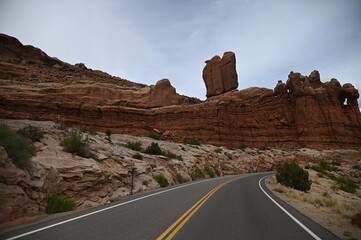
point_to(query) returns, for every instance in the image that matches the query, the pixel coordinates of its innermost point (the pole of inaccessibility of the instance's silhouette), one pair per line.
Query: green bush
(163, 182)
(136, 146)
(346, 184)
(17, 148)
(172, 155)
(59, 203)
(153, 134)
(242, 146)
(197, 174)
(217, 172)
(218, 150)
(31, 132)
(357, 167)
(292, 175)
(323, 166)
(154, 149)
(192, 142)
(180, 178)
(138, 156)
(76, 143)
(209, 171)
(108, 133)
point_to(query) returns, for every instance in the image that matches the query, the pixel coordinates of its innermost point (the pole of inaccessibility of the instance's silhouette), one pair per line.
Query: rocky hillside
(106, 175)
(301, 112)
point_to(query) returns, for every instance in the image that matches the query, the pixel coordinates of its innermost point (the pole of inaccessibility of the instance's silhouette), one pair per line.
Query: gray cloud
(145, 41)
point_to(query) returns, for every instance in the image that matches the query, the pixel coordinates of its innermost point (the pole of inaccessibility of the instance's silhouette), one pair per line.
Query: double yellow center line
(177, 225)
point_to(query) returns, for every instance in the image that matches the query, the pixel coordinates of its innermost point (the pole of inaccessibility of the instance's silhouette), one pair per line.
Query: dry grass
(332, 208)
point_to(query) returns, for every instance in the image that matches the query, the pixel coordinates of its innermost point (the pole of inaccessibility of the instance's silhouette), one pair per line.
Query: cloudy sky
(148, 40)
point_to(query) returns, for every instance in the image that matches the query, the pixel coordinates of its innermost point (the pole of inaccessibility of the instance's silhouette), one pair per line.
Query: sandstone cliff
(303, 111)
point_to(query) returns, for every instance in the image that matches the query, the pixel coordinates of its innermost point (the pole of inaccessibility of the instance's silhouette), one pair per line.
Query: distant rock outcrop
(302, 111)
(220, 74)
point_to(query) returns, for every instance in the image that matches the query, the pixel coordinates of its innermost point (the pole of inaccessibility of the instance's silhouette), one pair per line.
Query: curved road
(232, 207)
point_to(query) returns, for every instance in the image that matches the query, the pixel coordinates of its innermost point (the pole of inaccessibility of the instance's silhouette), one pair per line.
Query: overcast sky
(148, 40)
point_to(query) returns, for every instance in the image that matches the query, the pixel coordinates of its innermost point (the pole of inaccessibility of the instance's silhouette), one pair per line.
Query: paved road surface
(233, 207)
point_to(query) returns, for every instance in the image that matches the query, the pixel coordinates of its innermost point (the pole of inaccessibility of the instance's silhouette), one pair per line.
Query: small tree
(108, 133)
(292, 175)
(18, 149)
(31, 132)
(153, 134)
(136, 146)
(75, 143)
(154, 149)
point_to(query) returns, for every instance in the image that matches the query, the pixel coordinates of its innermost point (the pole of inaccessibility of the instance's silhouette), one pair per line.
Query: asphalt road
(211, 209)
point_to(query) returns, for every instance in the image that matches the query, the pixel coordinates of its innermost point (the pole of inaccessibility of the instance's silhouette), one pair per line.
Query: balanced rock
(220, 74)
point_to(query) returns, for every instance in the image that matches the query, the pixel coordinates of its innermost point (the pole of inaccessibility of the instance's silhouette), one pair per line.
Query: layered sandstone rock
(302, 111)
(220, 74)
(107, 176)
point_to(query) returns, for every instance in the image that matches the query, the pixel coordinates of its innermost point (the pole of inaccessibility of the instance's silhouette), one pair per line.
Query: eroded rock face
(302, 111)
(350, 93)
(220, 74)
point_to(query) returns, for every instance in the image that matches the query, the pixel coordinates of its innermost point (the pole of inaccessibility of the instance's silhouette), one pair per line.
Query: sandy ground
(324, 203)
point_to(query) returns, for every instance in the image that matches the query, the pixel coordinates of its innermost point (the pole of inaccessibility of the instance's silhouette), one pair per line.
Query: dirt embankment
(330, 202)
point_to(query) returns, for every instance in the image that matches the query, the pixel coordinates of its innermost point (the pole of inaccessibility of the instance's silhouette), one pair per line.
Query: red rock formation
(304, 111)
(220, 74)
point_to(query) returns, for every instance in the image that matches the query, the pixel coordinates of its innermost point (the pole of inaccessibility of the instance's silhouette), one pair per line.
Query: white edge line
(289, 214)
(104, 209)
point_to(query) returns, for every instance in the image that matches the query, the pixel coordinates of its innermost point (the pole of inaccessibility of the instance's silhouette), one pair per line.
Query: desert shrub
(31, 132)
(197, 174)
(145, 183)
(163, 182)
(138, 156)
(92, 132)
(192, 142)
(229, 156)
(152, 165)
(153, 134)
(154, 149)
(136, 146)
(320, 175)
(336, 163)
(242, 146)
(180, 178)
(218, 150)
(76, 143)
(324, 166)
(108, 133)
(217, 172)
(18, 149)
(346, 184)
(57, 203)
(357, 167)
(172, 155)
(292, 175)
(209, 171)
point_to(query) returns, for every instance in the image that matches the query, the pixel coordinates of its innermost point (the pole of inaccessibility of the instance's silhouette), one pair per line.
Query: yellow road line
(188, 214)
